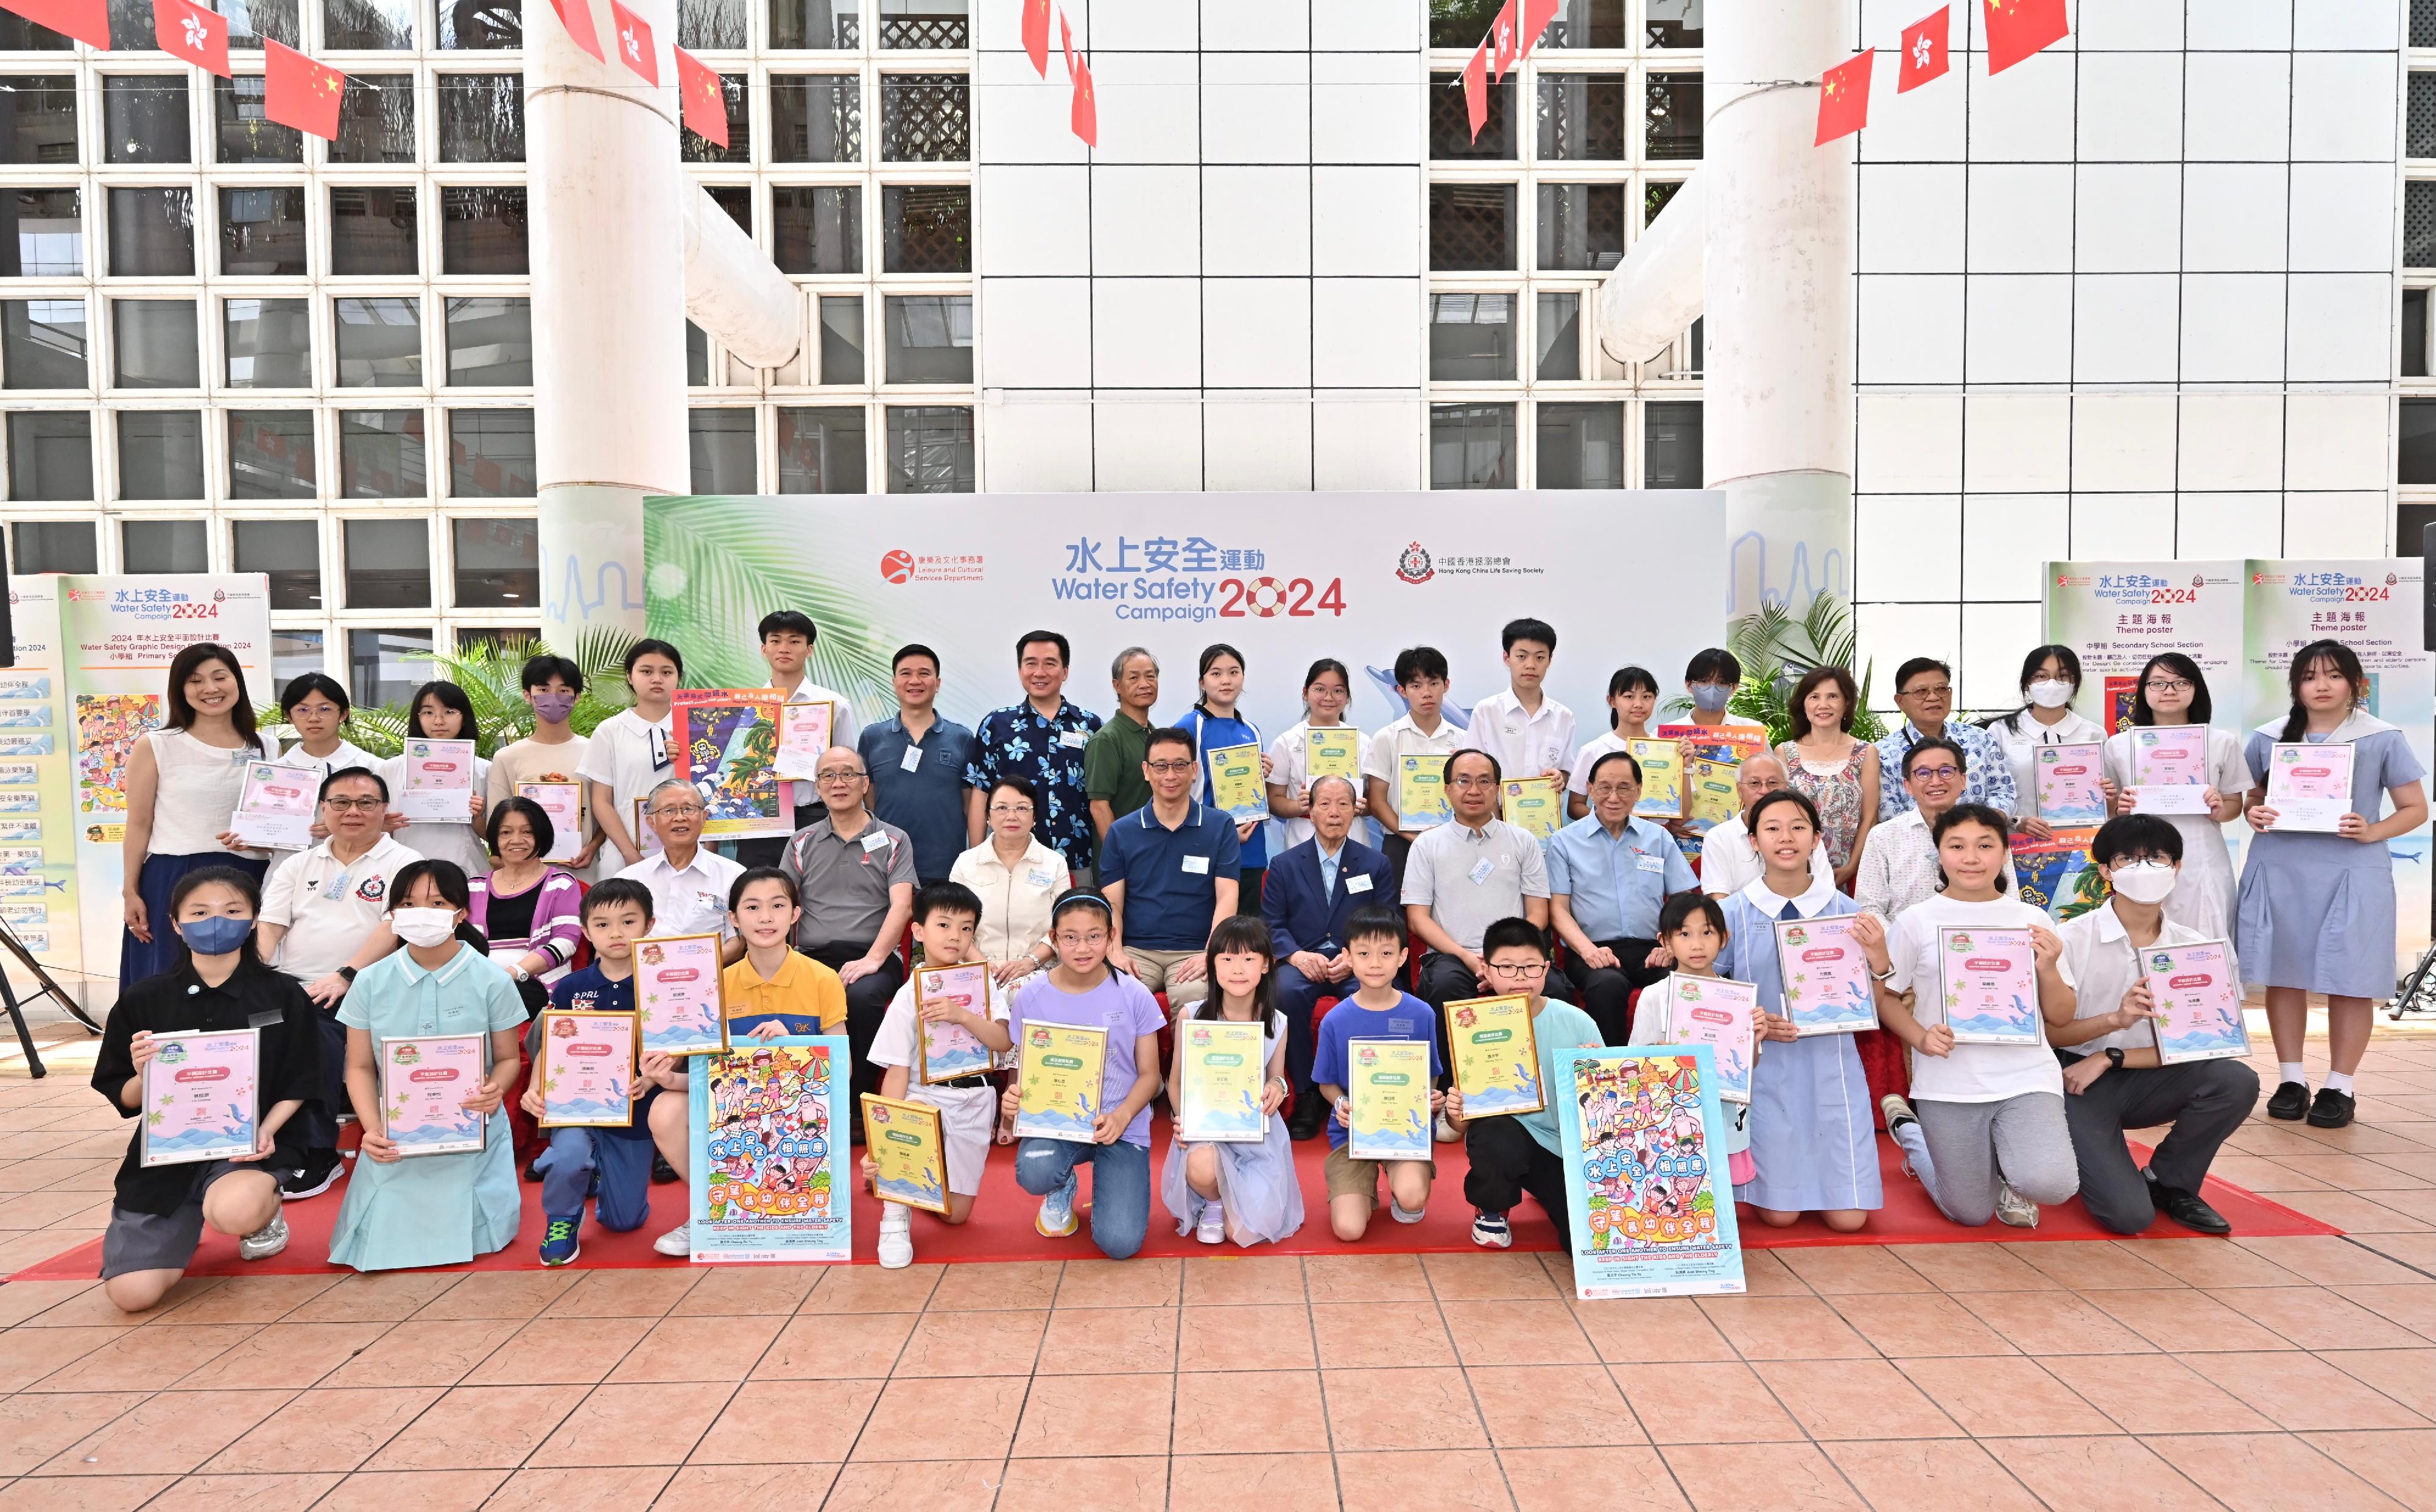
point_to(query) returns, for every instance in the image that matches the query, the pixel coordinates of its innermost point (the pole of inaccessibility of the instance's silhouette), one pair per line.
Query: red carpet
(1002, 1227)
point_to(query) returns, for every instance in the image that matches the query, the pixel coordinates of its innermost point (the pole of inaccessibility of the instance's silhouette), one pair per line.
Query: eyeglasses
(359, 805)
(1169, 767)
(1009, 810)
(1935, 774)
(1472, 782)
(2173, 685)
(840, 776)
(681, 811)
(1941, 690)
(1611, 789)
(1523, 973)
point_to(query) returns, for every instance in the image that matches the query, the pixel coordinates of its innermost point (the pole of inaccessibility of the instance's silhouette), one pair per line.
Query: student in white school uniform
(315, 709)
(1632, 699)
(1325, 689)
(1530, 734)
(2173, 690)
(1729, 861)
(443, 712)
(1711, 679)
(1423, 731)
(2050, 681)
(629, 753)
(788, 636)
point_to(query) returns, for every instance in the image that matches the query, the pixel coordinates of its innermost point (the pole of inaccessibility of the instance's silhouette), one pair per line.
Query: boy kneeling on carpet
(158, 1213)
(1374, 937)
(1516, 1153)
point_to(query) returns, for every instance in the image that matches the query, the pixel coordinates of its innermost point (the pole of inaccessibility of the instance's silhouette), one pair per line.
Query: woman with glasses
(1018, 879)
(2173, 690)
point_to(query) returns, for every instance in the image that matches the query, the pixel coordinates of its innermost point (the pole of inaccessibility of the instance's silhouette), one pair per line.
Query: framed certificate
(679, 995)
(1420, 791)
(1710, 797)
(274, 809)
(587, 1070)
(200, 1099)
(1724, 1016)
(950, 1051)
(564, 802)
(2309, 786)
(1223, 1072)
(2066, 781)
(2199, 992)
(1536, 804)
(1661, 778)
(2169, 769)
(802, 735)
(1496, 1056)
(1062, 1068)
(1989, 983)
(437, 782)
(423, 1083)
(1331, 751)
(905, 1143)
(1389, 1093)
(1236, 787)
(1825, 975)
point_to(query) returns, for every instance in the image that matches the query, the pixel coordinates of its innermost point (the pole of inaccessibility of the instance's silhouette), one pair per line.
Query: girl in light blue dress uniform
(432, 1210)
(2316, 912)
(1243, 1191)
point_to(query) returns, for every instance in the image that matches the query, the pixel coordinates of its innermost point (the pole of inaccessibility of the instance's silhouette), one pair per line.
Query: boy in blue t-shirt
(1374, 937)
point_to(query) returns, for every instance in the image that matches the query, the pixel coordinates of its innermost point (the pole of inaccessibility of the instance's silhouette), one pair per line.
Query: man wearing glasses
(1168, 870)
(855, 877)
(1609, 876)
(1899, 861)
(688, 881)
(1925, 692)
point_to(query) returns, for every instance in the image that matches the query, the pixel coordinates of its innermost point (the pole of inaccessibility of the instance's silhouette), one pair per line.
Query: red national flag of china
(1503, 45)
(1086, 118)
(705, 101)
(87, 21)
(298, 92)
(635, 44)
(1844, 99)
(192, 33)
(576, 16)
(1036, 35)
(1536, 16)
(1924, 50)
(2017, 28)
(1475, 89)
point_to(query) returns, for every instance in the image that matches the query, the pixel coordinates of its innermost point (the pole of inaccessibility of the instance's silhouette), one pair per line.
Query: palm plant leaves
(713, 575)
(489, 671)
(1777, 650)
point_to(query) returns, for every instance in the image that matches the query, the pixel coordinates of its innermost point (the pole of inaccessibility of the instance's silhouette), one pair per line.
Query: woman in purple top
(530, 910)
(1082, 991)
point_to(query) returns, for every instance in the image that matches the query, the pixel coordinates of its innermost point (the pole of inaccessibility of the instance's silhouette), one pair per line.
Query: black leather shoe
(2331, 1110)
(1305, 1125)
(662, 1173)
(533, 1169)
(2291, 1101)
(2186, 1209)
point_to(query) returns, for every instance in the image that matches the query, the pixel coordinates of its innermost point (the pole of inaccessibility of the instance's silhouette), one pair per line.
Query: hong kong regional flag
(1924, 50)
(1844, 99)
(634, 45)
(2017, 28)
(192, 33)
(87, 21)
(300, 93)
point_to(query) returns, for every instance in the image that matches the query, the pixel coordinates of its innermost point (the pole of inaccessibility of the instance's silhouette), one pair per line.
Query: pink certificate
(2169, 769)
(678, 995)
(587, 1070)
(1990, 980)
(802, 735)
(2068, 792)
(2309, 786)
(564, 802)
(198, 1097)
(275, 807)
(2199, 992)
(1722, 1015)
(424, 1084)
(1825, 975)
(437, 782)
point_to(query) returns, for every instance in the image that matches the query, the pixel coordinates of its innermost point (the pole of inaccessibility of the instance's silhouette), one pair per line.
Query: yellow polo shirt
(805, 997)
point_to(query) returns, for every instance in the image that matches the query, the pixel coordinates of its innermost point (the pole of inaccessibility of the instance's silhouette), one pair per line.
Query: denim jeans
(1119, 1186)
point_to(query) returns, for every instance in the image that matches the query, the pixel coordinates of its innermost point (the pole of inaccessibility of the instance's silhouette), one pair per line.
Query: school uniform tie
(1790, 912)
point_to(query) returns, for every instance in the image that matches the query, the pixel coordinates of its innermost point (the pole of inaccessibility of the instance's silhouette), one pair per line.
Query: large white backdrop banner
(1624, 577)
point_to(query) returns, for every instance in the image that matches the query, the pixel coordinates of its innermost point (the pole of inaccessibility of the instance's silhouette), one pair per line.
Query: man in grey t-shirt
(1466, 874)
(855, 872)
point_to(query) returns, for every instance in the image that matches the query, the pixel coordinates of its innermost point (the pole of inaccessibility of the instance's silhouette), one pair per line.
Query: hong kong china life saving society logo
(1414, 565)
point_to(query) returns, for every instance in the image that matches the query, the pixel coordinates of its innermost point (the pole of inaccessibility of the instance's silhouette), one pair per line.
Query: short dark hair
(446, 876)
(1713, 665)
(305, 685)
(1797, 711)
(650, 647)
(449, 696)
(914, 649)
(1513, 934)
(1935, 743)
(1044, 637)
(1680, 907)
(1420, 661)
(618, 890)
(544, 833)
(2126, 835)
(787, 622)
(1975, 813)
(1539, 630)
(946, 897)
(1166, 734)
(761, 874)
(538, 671)
(1446, 773)
(1022, 788)
(1917, 664)
(1374, 923)
(344, 772)
(1614, 756)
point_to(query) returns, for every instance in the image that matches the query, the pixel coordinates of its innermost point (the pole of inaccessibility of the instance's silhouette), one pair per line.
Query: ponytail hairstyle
(239, 882)
(2346, 665)
(1235, 936)
(1319, 668)
(1208, 654)
(1628, 680)
(1975, 813)
(2065, 658)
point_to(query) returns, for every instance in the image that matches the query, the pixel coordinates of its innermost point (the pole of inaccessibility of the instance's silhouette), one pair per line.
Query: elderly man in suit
(1311, 891)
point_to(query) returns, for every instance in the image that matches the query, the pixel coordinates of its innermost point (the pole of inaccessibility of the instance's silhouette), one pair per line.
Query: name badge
(1652, 863)
(1040, 879)
(1357, 884)
(1075, 738)
(874, 841)
(912, 759)
(1481, 868)
(1197, 866)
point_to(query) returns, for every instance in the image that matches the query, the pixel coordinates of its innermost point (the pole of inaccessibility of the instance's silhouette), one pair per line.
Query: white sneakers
(676, 1241)
(1211, 1226)
(896, 1236)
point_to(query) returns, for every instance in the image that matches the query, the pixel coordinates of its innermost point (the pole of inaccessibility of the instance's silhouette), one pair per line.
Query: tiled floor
(2271, 1375)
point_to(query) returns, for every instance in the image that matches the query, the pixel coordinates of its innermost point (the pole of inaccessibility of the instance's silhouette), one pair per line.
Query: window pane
(270, 454)
(1472, 228)
(2415, 335)
(380, 454)
(722, 443)
(1582, 118)
(1655, 196)
(815, 118)
(269, 342)
(54, 546)
(820, 451)
(1471, 337)
(483, 230)
(480, 24)
(816, 229)
(262, 232)
(42, 128)
(50, 457)
(1581, 446)
(497, 564)
(925, 24)
(160, 456)
(163, 546)
(925, 119)
(482, 117)
(2422, 23)
(710, 23)
(491, 453)
(2416, 455)
(375, 120)
(289, 553)
(1581, 226)
(814, 24)
(370, 25)
(1671, 457)
(1692, 344)
(1472, 446)
(153, 341)
(490, 343)
(1674, 23)
(930, 338)
(378, 671)
(929, 449)
(842, 339)
(1560, 336)
(372, 233)
(249, 21)
(693, 148)
(49, 239)
(1450, 120)
(152, 233)
(1673, 111)
(697, 357)
(1589, 24)
(245, 134)
(19, 35)
(926, 228)
(143, 119)
(388, 564)
(380, 342)
(293, 653)
(734, 199)
(43, 343)
(1460, 23)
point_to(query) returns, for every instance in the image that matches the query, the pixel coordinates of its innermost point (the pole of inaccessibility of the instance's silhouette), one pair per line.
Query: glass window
(930, 339)
(734, 199)
(480, 24)
(722, 443)
(1471, 337)
(143, 119)
(1589, 24)
(820, 451)
(287, 552)
(42, 126)
(842, 339)
(816, 228)
(293, 653)
(693, 148)
(160, 456)
(1674, 23)
(385, 667)
(1581, 446)
(380, 342)
(380, 454)
(388, 564)
(924, 24)
(1472, 228)
(2416, 455)
(1472, 446)
(1691, 344)
(925, 119)
(929, 449)
(1673, 115)
(249, 21)
(2419, 223)
(153, 341)
(926, 228)
(1582, 118)
(244, 133)
(482, 117)
(262, 232)
(376, 119)
(372, 233)
(815, 118)
(1671, 443)
(2422, 23)
(490, 343)
(497, 563)
(815, 24)
(152, 233)
(43, 343)
(50, 457)
(271, 453)
(1560, 336)
(2414, 332)
(1581, 226)
(269, 342)
(163, 546)
(49, 242)
(367, 25)
(1451, 135)
(53, 545)
(712, 24)
(1655, 196)
(697, 357)
(483, 230)
(491, 453)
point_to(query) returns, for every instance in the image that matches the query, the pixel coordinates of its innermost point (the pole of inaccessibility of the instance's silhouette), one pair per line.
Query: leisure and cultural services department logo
(901, 566)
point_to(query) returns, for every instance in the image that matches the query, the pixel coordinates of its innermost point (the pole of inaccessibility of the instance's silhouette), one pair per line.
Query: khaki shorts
(1348, 1177)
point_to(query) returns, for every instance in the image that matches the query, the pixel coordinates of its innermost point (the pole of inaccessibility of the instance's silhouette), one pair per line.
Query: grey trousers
(2204, 1101)
(2021, 1141)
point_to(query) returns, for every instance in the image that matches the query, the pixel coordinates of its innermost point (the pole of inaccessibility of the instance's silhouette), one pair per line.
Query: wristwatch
(346, 974)
(2114, 1057)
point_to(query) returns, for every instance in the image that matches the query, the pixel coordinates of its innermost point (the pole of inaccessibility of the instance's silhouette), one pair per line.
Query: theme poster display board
(2116, 614)
(37, 894)
(1644, 1139)
(767, 1147)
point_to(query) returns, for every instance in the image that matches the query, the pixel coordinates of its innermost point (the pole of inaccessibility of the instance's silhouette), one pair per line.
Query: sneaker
(1490, 1231)
(1896, 1110)
(2013, 1209)
(1443, 1132)
(558, 1242)
(265, 1242)
(1057, 1216)
(2331, 1110)
(1211, 1228)
(1398, 1212)
(308, 1181)
(675, 1241)
(896, 1238)
(2291, 1101)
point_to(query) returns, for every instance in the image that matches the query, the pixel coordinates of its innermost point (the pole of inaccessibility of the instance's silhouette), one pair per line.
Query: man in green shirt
(1112, 763)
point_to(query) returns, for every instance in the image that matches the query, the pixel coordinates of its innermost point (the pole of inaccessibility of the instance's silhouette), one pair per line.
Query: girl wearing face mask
(554, 752)
(1325, 689)
(443, 712)
(315, 709)
(434, 1209)
(2172, 690)
(2050, 681)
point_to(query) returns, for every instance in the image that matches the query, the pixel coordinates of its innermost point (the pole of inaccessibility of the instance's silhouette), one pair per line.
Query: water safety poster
(1642, 1134)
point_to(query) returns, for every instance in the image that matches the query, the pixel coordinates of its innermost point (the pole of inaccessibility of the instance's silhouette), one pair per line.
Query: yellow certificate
(904, 1142)
(1235, 788)
(1389, 1093)
(1223, 1072)
(1661, 778)
(1708, 790)
(1332, 752)
(1496, 1056)
(1537, 804)
(1420, 791)
(1062, 1071)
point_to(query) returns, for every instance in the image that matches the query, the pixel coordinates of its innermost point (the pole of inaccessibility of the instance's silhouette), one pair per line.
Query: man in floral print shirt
(1041, 740)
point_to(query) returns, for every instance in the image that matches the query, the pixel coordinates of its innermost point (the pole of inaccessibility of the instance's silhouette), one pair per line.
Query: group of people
(1087, 861)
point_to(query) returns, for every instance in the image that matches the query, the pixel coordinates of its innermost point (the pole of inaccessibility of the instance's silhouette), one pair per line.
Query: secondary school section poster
(769, 1151)
(1642, 1133)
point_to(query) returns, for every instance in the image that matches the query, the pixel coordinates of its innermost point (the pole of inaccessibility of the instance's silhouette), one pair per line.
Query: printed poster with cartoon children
(768, 1141)
(1642, 1133)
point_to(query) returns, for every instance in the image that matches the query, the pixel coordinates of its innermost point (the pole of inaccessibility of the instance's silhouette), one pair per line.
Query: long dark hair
(228, 876)
(182, 714)
(1975, 813)
(1211, 654)
(1627, 680)
(2065, 657)
(2182, 666)
(450, 697)
(1329, 664)
(2346, 663)
(1235, 934)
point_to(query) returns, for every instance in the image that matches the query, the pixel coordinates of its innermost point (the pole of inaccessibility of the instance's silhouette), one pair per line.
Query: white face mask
(2143, 881)
(424, 927)
(2050, 695)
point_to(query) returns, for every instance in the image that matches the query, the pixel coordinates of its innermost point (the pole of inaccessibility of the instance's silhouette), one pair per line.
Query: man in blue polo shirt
(1168, 869)
(916, 762)
(1609, 876)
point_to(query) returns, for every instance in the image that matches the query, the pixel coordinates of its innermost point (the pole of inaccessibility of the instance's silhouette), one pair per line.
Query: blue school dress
(1256, 1182)
(431, 1209)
